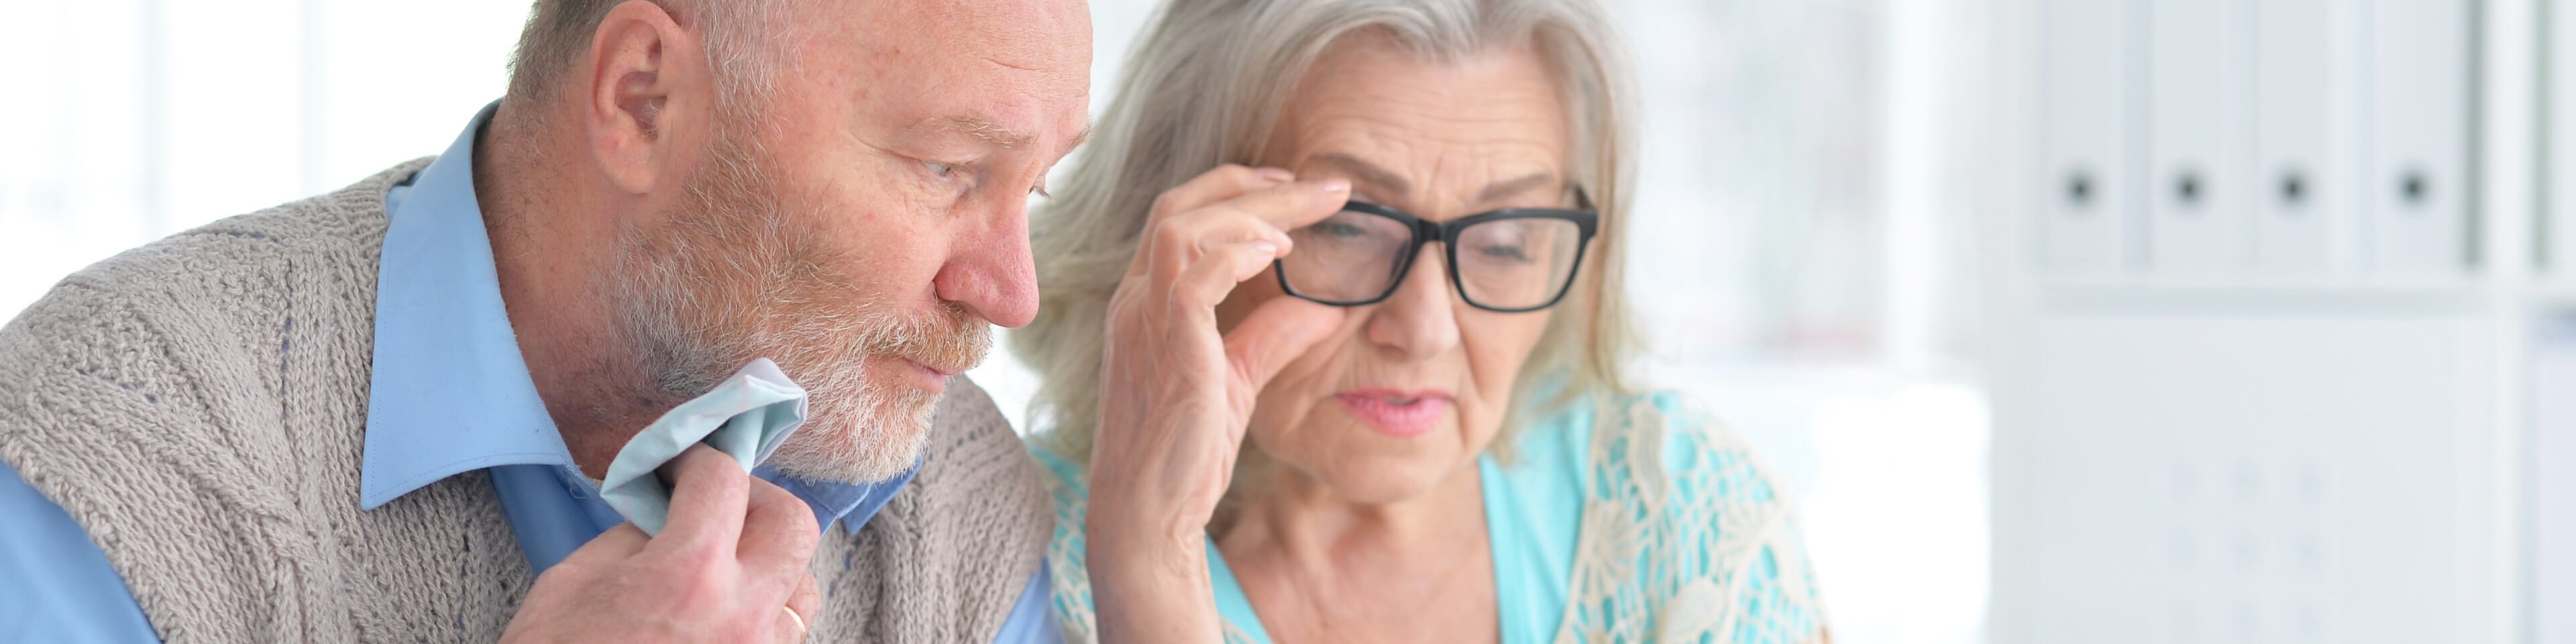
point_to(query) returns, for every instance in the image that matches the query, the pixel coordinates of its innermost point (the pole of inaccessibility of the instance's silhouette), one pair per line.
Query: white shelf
(2161, 434)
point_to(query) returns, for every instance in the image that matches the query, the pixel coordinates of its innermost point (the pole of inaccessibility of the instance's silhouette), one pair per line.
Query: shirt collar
(449, 391)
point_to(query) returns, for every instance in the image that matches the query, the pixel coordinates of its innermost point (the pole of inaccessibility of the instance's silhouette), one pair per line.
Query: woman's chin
(1382, 480)
(1362, 465)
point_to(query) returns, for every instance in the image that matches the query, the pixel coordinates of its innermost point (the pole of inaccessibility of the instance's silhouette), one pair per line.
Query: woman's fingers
(1295, 204)
(1266, 213)
(1175, 242)
(1276, 332)
(1206, 282)
(1225, 182)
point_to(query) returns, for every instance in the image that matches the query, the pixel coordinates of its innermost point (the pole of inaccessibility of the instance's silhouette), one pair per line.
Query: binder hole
(2079, 188)
(2414, 187)
(2294, 190)
(2187, 189)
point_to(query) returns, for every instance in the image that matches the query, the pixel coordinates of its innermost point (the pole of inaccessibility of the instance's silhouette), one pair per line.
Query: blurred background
(2088, 320)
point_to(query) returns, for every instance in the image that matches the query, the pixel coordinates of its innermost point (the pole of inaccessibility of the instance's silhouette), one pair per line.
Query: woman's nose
(1417, 322)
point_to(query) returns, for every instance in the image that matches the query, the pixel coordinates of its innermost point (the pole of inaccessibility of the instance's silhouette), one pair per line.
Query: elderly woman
(1400, 282)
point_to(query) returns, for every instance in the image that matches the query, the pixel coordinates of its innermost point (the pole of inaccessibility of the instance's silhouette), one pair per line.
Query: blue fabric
(55, 586)
(1231, 604)
(1534, 516)
(1031, 622)
(442, 336)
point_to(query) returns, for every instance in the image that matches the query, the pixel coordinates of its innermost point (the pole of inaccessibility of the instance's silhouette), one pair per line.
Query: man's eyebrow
(976, 125)
(984, 128)
(1392, 185)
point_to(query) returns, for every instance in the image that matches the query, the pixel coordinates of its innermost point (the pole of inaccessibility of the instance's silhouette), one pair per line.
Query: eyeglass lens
(1355, 257)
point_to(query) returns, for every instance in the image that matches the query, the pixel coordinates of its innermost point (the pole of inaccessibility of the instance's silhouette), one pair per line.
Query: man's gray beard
(728, 282)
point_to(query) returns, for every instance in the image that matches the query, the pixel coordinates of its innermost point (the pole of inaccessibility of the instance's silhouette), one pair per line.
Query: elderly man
(380, 414)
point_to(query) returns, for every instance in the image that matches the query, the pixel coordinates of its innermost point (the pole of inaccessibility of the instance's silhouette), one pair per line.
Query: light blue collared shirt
(442, 336)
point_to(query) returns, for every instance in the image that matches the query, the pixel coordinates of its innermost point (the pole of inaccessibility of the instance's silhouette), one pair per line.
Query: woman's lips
(1395, 413)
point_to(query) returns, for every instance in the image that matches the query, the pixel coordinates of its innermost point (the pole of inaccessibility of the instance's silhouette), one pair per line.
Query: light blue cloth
(442, 336)
(746, 417)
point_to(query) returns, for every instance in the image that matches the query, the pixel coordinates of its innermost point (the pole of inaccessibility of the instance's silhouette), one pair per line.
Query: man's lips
(943, 371)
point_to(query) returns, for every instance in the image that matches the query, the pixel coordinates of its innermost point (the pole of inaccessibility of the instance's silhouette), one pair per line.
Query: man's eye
(943, 170)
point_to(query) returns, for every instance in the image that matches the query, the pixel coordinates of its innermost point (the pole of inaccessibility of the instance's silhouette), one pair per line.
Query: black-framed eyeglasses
(1511, 260)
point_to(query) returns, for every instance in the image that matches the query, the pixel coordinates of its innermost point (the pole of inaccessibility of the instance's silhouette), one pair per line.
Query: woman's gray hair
(1205, 85)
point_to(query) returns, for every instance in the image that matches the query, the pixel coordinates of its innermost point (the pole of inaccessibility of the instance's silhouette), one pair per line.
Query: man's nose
(990, 272)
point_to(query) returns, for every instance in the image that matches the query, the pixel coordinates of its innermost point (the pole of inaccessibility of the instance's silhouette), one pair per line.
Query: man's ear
(647, 95)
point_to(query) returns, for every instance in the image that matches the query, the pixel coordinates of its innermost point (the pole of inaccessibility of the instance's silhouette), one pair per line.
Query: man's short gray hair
(739, 36)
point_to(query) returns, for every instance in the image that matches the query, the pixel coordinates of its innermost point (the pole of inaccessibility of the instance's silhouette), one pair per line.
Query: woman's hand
(1176, 396)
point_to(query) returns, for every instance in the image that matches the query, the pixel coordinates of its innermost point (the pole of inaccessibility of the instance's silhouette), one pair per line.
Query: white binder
(2559, 180)
(2200, 193)
(2086, 172)
(2300, 109)
(2416, 184)
(2552, 483)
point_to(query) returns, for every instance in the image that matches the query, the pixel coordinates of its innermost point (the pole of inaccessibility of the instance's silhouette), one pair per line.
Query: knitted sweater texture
(198, 405)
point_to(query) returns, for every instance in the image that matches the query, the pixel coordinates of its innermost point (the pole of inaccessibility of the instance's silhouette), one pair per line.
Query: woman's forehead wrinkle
(1391, 183)
(1394, 185)
(1507, 188)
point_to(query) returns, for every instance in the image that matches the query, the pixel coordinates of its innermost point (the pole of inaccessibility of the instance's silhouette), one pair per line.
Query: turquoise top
(1534, 512)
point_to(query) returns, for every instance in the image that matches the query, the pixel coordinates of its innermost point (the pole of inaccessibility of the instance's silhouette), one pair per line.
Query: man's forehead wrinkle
(998, 61)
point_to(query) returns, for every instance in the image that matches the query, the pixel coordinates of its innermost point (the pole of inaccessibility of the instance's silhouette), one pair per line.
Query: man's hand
(727, 568)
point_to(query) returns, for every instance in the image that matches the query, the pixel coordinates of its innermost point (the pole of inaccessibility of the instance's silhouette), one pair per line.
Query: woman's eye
(1339, 229)
(1503, 252)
